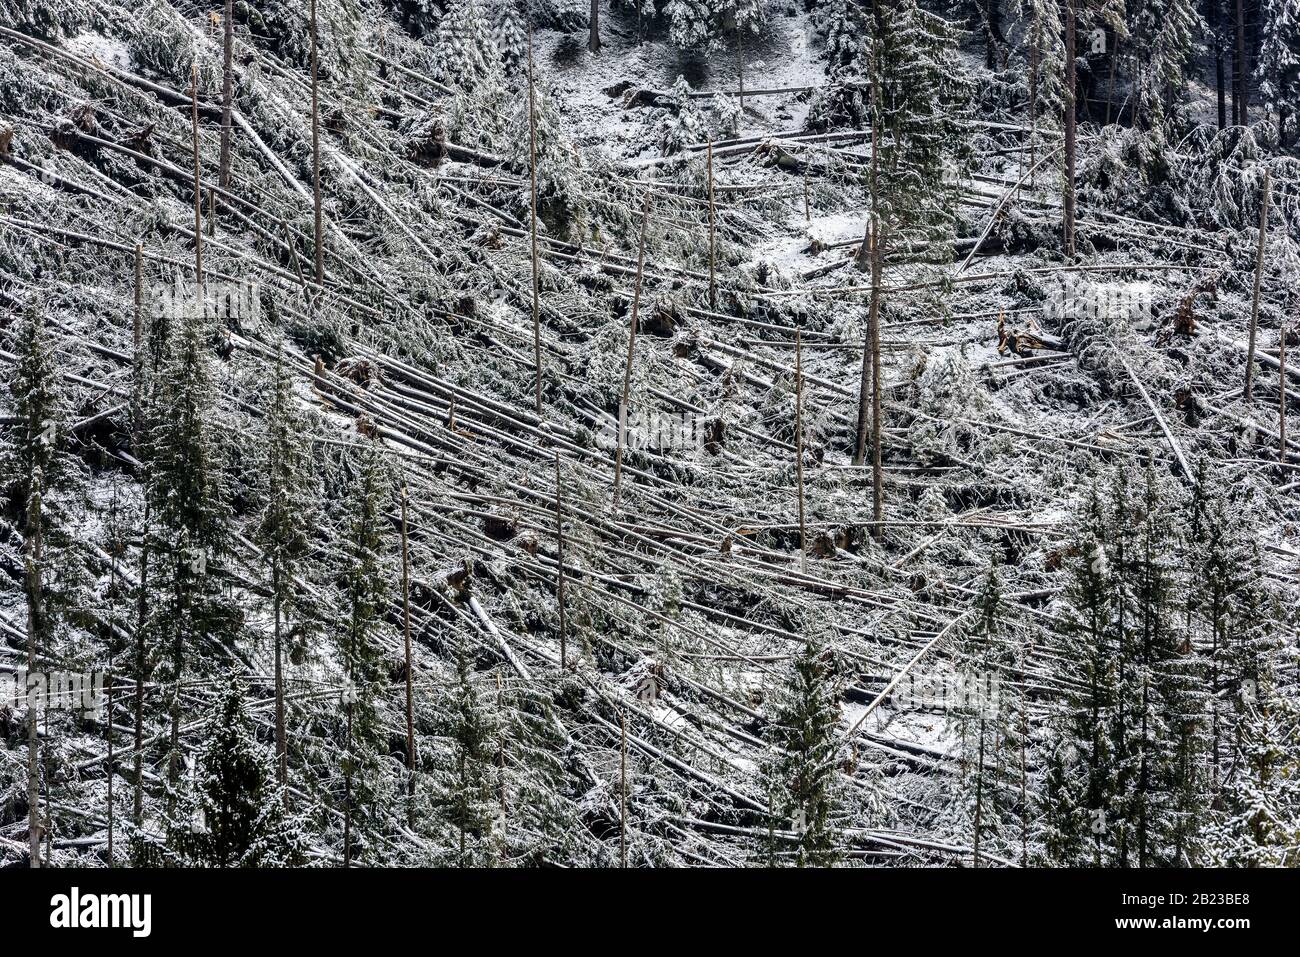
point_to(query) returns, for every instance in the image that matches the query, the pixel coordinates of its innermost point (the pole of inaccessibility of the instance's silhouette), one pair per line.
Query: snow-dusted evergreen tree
(1163, 35)
(363, 580)
(985, 710)
(283, 530)
(802, 769)
(467, 781)
(189, 504)
(908, 87)
(465, 48)
(1079, 792)
(706, 24)
(1277, 68)
(512, 38)
(681, 125)
(230, 812)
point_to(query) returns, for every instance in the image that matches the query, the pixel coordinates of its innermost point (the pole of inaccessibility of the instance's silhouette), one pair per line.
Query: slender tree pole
(1071, 81)
(198, 186)
(559, 565)
(979, 797)
(410, 685)
(622, 791)
(1242, 113)
(865, 259)
(142, 596)
(798, 446)
(1281, 394)
(35, 622)
(227, 90)
(631, 350)
(593, 38)
(740, 62)
(873, 330)
(1264, 199)
(108, 679)
(532, 176)
(1220, 83)
(318, 233)
(713, 234)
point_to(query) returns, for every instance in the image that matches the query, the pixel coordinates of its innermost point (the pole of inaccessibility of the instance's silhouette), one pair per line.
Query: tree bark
(281, 745)
(410, 685)
(593, 39)
(1266, 195)
(798, 446)
(532, 175)
(35, 624)
(559, 565)
(631, 348)
(198, 184)
(1067, 187)
(318, 234)
(1241, 112)
(713, 228)
(227, 90)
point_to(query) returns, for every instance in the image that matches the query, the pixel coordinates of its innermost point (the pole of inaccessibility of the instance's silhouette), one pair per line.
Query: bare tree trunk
(740, 61)
(631, 347)
(198, 185)
(713, 235)
(798, 446)
(410, 685)
(622, 791)
(559, 565)
(1110, 90)
(114, 538)
(281, 744)
(318, 232)
(532, 174)
(1281, 396)
(593, 39)
(1035, 53)
(979, 796)
(1220, 79)
(35, 624)
(141, 665)
(227, 90)
(1265, 197)
(1067, 187)
(865, 258)
(1242, 65)
(873, 331)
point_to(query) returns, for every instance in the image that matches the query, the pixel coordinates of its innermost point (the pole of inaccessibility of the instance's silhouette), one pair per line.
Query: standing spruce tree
(231, 812)
(470, 797)
(1278, 65)
(1079, 787)
(803, 770)
(986, 712)
(39, 478)
(189, 506)
(283, 529)
(364, 581)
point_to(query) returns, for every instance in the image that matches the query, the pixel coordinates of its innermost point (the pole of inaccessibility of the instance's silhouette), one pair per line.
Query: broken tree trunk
(798, 446)
(318, 234)
(1259, 277)
(631, 347)
(410, 694)
(532, 175)
(713, 240)
(559, 565)
(198, 184)
(1067, 182)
